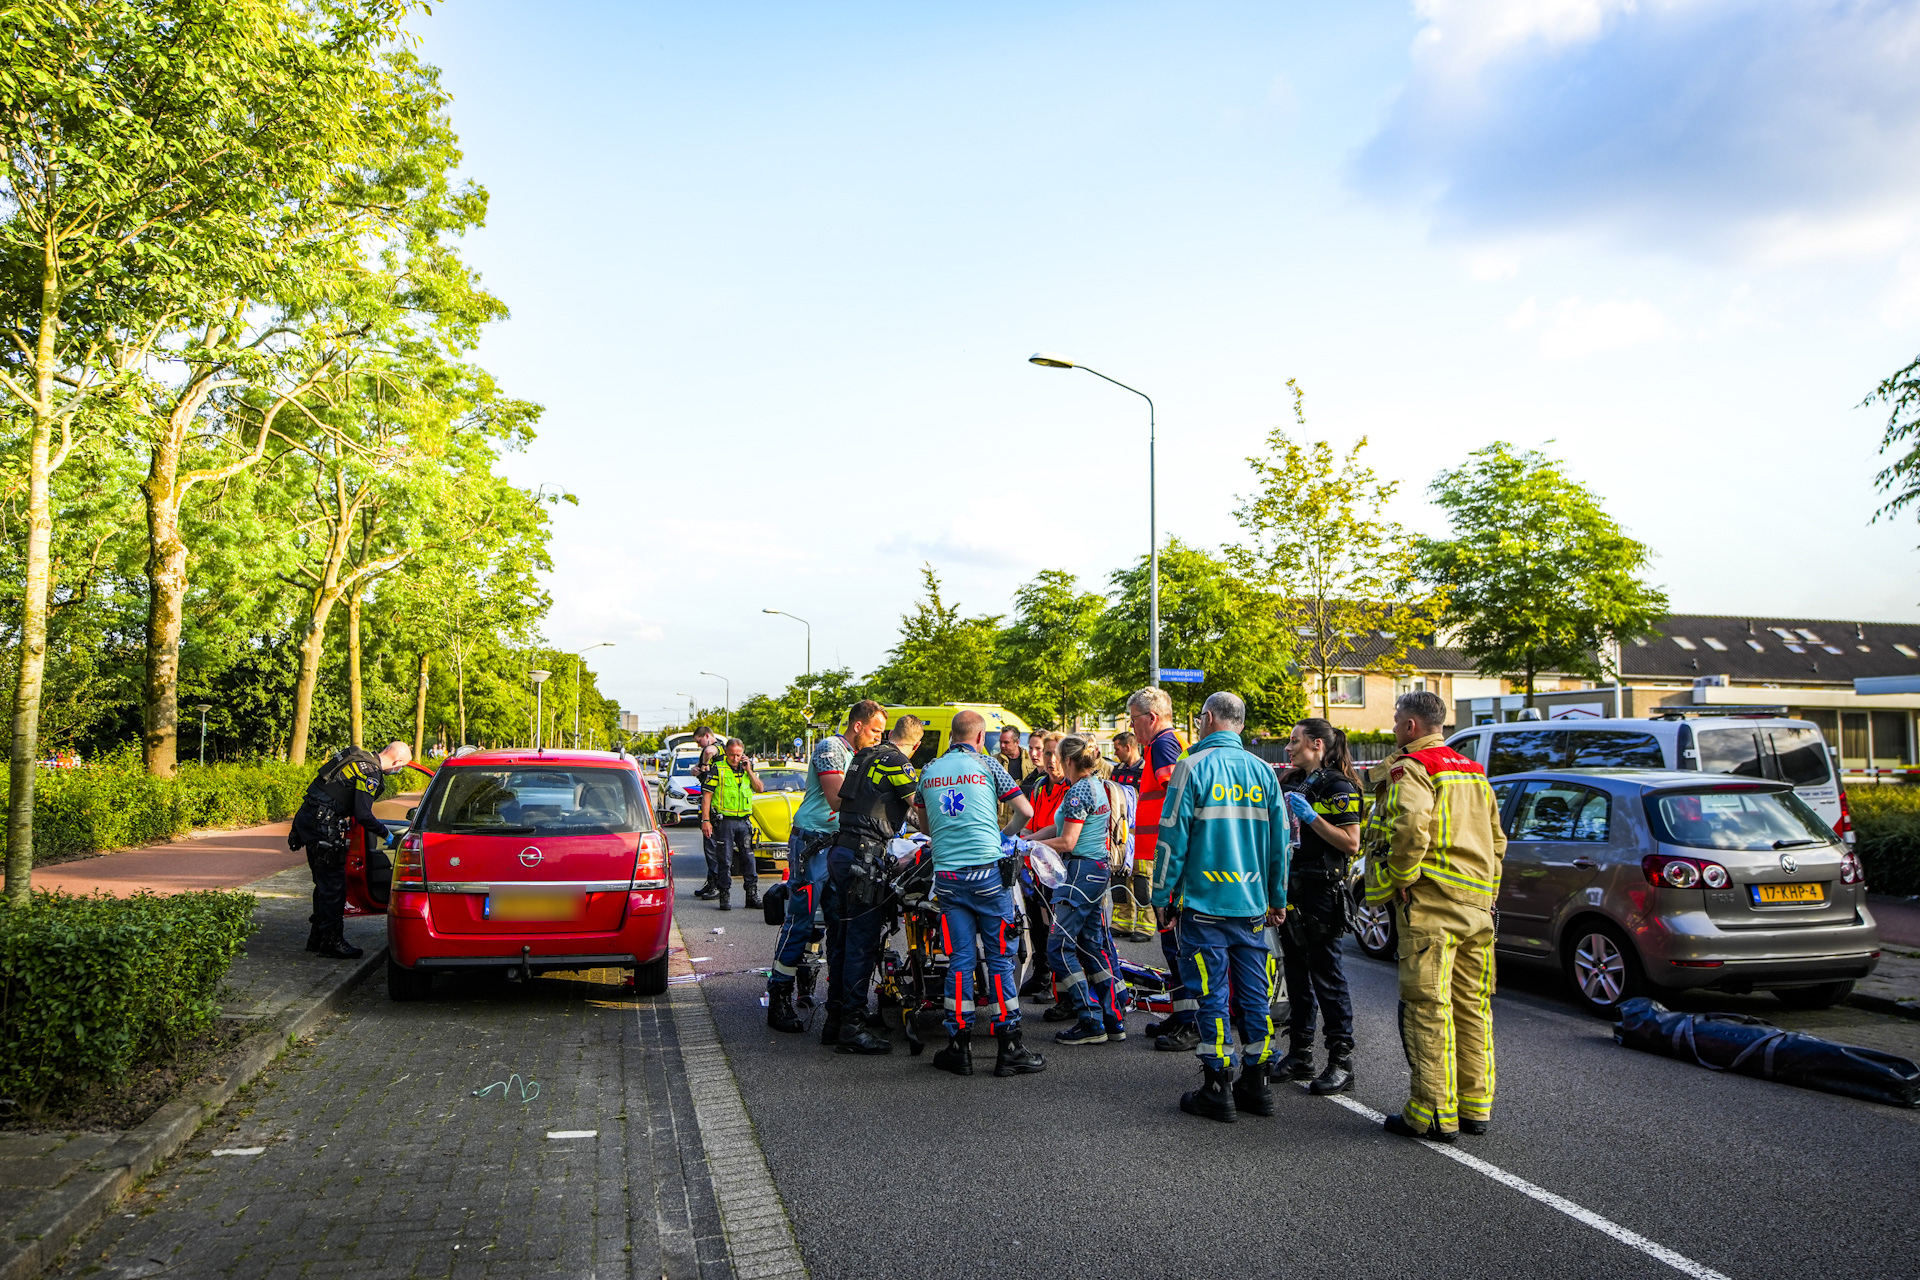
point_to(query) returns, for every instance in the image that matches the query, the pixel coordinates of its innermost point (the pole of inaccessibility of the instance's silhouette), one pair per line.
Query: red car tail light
(1851, 871)
(1665, 871)
(410, 864)
(650, 868)
(1844, 827)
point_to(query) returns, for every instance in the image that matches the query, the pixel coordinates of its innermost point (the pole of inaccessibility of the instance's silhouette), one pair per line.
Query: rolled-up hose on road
(1752, 1047)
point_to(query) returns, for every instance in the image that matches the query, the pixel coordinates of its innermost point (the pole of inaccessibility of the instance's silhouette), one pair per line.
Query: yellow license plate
(534, 906)
(1766, 893)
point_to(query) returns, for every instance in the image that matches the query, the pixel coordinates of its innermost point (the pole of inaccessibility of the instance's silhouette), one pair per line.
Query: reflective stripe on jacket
(732, 792)
(1223, 844)
(1433, 816)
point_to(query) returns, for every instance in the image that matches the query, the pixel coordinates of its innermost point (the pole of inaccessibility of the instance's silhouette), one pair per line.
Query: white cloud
(1573, 327)
(1776, 130)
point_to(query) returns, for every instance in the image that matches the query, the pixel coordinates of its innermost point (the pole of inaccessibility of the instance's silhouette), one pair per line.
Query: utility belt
(736, 817)
(866, 883)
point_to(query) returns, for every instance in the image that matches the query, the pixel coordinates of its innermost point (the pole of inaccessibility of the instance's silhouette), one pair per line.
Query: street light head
(1050, 360)
(769, 611)
(539, 677)
(204, 707)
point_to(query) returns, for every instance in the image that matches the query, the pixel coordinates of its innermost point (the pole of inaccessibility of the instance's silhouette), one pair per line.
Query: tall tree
(941, 656)
(1537, 577)
(1900, 392)
(1211, 619)
(257, 338)
(137, 139)
(1042, 656)
(1341, 572)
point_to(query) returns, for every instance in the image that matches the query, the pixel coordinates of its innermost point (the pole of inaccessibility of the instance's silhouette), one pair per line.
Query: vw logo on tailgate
(1788, 863)
(530, 857)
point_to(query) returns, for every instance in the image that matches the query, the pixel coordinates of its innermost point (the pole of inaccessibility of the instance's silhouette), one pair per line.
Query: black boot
(1251, 1092)
(753, 897)
(726, 900)
(1179, 1037)
(957, 1057)
(334, 946)
(830, 1028)
(1297, 1065)
(856, 1038)
(1015, 1058)
(1338, 1077)
(1396, 1124)
(314, 938)
(706, 891)
(1061, 1010)
(1213, 1099)
(780, 1014)
(1038, 986)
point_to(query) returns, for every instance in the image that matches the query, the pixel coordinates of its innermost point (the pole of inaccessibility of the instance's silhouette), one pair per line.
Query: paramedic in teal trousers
(1220, 874)
(973, 876)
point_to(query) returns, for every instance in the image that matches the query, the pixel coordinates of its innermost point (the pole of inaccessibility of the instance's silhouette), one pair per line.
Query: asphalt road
(890, 1167)
(405, 1141)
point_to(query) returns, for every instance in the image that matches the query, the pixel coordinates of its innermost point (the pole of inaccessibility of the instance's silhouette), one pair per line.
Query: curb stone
(1881, 1004)
(87, 1198)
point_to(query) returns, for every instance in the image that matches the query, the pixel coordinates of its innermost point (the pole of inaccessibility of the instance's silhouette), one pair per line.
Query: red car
(530, 861)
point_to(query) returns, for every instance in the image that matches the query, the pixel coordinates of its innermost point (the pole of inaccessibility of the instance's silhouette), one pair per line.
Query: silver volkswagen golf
(1638, 881)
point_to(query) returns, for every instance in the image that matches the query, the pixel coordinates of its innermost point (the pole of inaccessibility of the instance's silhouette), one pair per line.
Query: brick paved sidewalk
(214, 860)
(38, 1171)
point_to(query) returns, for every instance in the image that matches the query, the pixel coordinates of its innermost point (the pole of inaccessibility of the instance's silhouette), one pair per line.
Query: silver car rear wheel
(1373, 925)
(1604, 969)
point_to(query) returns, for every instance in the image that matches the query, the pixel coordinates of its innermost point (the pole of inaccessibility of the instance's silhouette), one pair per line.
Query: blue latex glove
(1300, 808)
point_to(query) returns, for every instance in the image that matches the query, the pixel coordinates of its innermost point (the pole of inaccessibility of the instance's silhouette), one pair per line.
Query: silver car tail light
(1666, 871)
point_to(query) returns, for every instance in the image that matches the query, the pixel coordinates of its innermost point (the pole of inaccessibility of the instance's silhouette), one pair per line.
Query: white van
(1747, 746)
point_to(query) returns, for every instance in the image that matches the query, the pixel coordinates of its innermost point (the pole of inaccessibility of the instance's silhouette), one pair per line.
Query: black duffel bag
(1751, 1047)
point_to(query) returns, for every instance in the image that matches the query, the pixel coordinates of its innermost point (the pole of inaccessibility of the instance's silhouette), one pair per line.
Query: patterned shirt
(829, 760)
(961, 792)
(1086, 803)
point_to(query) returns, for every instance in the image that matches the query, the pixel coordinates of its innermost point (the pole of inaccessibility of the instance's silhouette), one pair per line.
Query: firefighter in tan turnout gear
(1434, 847)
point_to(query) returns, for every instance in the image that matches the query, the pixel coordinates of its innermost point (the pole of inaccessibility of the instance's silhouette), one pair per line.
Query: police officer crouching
(876, 796)
(342, 792)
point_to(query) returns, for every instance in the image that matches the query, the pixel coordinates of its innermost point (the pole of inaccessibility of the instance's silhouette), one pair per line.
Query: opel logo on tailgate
(530, 857)
(1788, 863)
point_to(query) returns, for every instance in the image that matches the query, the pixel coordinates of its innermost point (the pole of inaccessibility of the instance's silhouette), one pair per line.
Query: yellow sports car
(773, 818)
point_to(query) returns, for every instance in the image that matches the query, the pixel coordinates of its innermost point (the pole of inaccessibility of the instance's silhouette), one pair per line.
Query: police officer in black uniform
(343, 791)
(876, 796)
(1323, 794)
(711, 749)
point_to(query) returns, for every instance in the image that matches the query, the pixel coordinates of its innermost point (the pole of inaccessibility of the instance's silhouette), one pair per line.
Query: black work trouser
(733, 851)
(328, 862)
(854, 934)
(1310, 953)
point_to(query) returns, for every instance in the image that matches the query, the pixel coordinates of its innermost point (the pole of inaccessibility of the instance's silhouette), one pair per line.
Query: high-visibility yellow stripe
(1200, 962)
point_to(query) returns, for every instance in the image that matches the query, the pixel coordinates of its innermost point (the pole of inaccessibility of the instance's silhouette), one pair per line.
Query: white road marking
(1633, 1239)
(574, 1133)
(239, 1151)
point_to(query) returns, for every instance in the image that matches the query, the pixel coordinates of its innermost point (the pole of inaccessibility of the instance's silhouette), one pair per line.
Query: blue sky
(775, 271)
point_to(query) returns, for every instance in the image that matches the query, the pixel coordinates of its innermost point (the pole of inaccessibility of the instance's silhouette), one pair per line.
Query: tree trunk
(1529, 678)
(30, 680)
(460, 692)
(355, 703)
(166, 606)
(312, 646)
(420, 712)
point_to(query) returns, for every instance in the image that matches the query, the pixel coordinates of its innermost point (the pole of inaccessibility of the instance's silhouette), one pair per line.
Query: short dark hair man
(710, 748)
(726, 819)
(343, 791)
(815, 823)
(876, 798)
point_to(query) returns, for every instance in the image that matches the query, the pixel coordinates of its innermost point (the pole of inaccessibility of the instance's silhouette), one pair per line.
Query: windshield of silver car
(1740, 820)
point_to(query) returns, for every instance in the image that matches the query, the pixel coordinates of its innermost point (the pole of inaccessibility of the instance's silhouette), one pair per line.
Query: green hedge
(114, 804)
(1886, 835)
(91, 986)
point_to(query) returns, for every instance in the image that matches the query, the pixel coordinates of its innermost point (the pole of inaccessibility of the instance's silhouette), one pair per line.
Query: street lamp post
(1051, 360)
(729, 684)
(604, 644)
(203, 708)
(809, 626)
(539, 679)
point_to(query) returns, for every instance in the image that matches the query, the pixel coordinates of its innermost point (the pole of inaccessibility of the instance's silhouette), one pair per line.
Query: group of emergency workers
(1214, 847)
